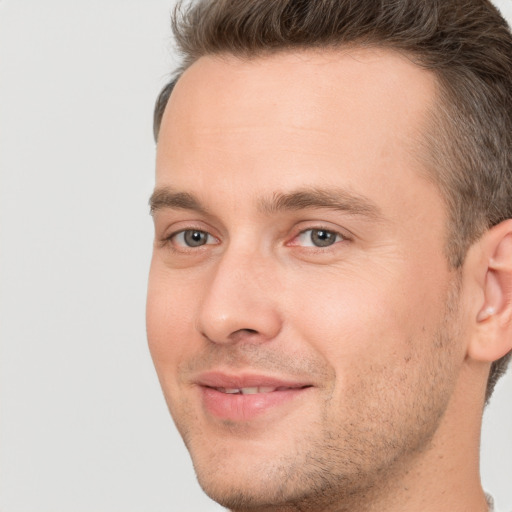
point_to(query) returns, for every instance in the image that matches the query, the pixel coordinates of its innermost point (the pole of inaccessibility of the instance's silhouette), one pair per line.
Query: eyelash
(338, 237)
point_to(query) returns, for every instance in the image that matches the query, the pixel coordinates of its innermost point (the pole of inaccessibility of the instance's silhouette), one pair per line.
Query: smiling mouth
(246, 403)
(255, 390)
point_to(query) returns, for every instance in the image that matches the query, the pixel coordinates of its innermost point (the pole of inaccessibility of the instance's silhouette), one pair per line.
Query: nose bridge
(239, 302)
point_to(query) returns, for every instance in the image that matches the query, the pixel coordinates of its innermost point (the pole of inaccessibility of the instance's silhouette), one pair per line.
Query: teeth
(249, 391)
(266, 389)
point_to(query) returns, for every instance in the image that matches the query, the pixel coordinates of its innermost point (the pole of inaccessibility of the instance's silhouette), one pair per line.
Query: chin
(244, 474)
(248, 490)
(249, 476)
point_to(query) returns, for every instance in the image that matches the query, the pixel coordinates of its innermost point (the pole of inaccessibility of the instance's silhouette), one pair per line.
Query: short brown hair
(466, 43)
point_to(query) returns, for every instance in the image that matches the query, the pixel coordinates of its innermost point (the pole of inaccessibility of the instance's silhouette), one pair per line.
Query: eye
(318, 238)
(192, 238)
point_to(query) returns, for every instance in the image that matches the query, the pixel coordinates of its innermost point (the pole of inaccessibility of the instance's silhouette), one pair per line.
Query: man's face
(301, 310)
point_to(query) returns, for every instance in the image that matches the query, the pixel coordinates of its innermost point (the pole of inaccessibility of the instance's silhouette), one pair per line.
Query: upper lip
(215, 379)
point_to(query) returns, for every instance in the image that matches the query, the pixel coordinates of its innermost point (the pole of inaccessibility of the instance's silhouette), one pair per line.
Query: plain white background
(83, 425)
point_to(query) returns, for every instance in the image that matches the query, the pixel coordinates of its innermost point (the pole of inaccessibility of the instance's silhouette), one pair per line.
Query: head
(279, 262)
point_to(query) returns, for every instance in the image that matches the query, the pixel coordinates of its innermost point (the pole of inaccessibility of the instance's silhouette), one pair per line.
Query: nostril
(244, 334)
(249, 331)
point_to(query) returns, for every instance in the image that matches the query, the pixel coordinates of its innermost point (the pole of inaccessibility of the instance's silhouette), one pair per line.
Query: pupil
(195, 238)
(322, 238)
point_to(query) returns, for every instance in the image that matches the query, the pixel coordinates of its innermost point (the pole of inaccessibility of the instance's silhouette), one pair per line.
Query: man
(330, 294)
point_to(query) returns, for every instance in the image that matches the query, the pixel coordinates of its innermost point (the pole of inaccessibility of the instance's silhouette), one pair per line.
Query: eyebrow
(167, 198)
(331, 198)
(307, 198)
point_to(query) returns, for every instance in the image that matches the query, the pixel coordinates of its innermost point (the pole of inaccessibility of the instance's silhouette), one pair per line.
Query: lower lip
(240, 408)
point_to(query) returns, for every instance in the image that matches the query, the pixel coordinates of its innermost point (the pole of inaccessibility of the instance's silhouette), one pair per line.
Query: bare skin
(299, 255)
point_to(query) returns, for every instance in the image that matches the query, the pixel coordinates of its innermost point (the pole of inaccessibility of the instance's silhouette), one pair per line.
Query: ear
(493, 320)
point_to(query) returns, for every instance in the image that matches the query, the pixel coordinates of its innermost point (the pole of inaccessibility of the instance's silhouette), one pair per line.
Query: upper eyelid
(179, 231)
(323, 228)
(345, 233)
(333, 231)
(180, 226)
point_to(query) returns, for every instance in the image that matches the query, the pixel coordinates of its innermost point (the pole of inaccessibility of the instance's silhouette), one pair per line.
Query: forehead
(302, 80)
(286, 118)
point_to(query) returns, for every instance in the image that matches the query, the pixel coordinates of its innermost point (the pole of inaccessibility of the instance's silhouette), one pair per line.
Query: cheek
(386, 339)
(357, 322)
(168, 320)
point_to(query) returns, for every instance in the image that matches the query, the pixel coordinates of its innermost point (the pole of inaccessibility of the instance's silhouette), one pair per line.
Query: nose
(239, 303)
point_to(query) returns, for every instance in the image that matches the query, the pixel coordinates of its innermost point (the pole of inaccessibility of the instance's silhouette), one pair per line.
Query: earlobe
(493, 337)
